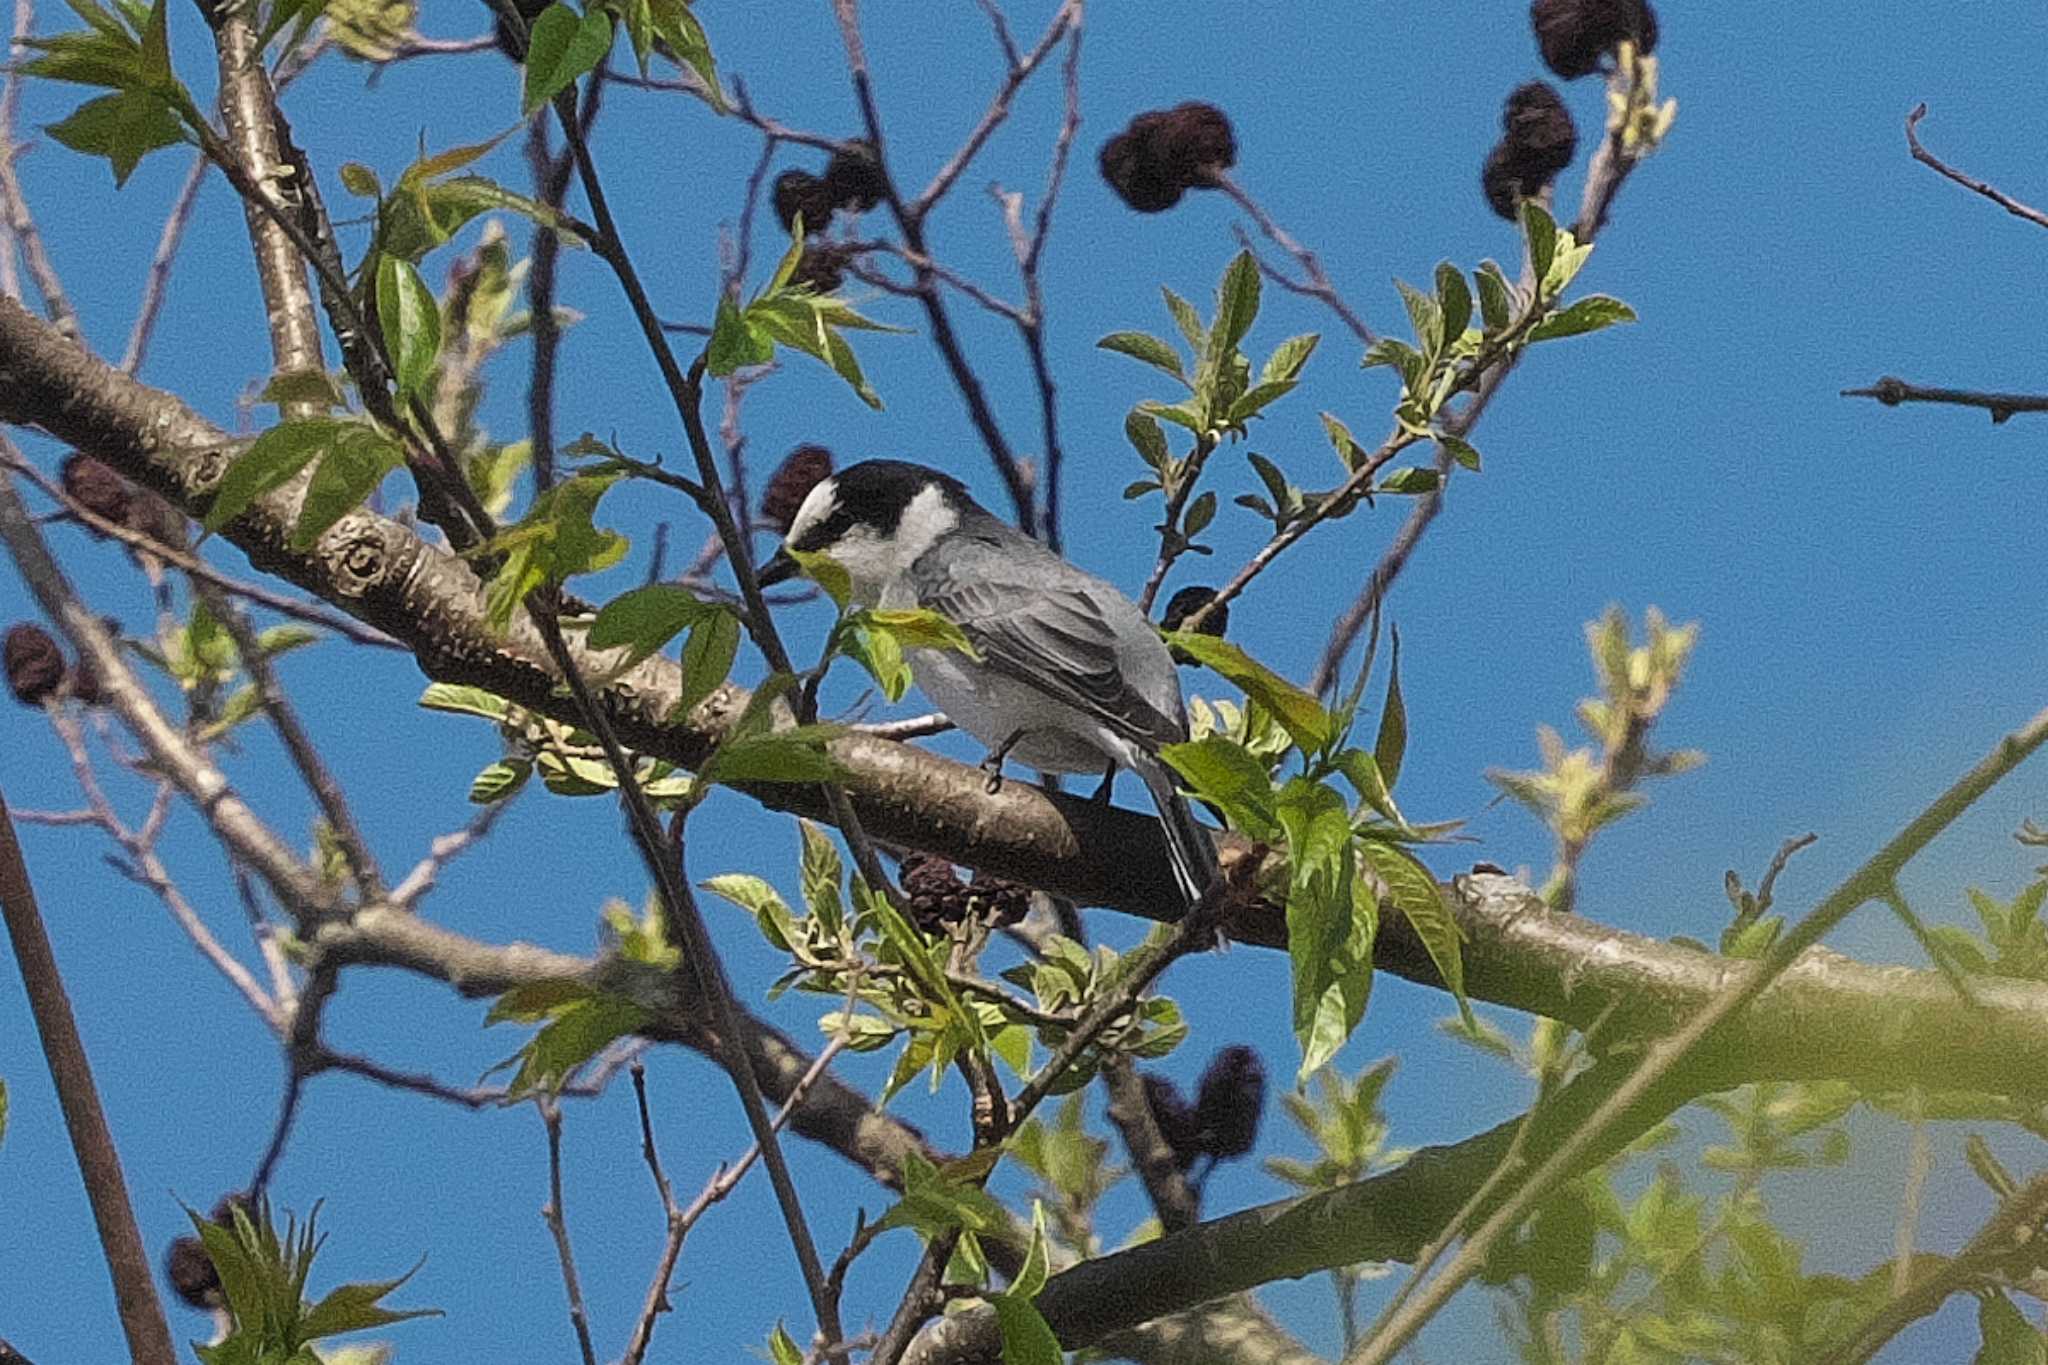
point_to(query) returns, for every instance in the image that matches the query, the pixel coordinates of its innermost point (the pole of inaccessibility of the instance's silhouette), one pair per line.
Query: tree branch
(1968, 182)
(1892, 391)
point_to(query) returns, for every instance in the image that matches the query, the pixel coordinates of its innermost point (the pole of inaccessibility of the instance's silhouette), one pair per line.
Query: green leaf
(500, 780)
(95, 58)
(553, 542)
(880, 653)
(1496, 297)
(1198, 516)
(1311, 727)
(1186, 318)
(1288, 358)
(360, 181)
(782, 1350)
(645, 619)
(355, 1308)
(735, 344)
(1226, 774)
(560, 48)
(1540, 229)
(1348, 449)
(122, 127)
(674, 21)
(921, 628)
(1589, 314)
(1030, 1277)
(272, 460)
(827, 572)
(301, 386)
(1415, 893)
(465, 700)
(821, 874)
(355, 463)
(707, 658)
(1460, 449)
(411, 320)
(1424, 316)
(1413, 479)
(2007, 1337)
(1453, 300)
(797, 754)
(1027, 1338)
(1237, 304)
(1392, 742)
(1148, 348)
(1147, 438)
(1319, 903)
(576, 1034)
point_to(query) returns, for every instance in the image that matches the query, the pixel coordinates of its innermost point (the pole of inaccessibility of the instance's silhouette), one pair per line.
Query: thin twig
(1316, 282)
(155, 286)
(443, 850)
(551, 1213)
(999, 108)
(1968, 182)
(19, 220)
(1892, 391)
(92, 1142)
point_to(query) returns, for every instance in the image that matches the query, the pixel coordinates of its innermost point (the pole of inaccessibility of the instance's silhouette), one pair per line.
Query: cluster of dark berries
(1537, 141)
(1166, 152)
(822, 267)
(188, 1267)
(95, 486)
(852, 180)
(1577, 35)
(939, 899)
(1186, 603)
(803, 469)
(36, 670)
(1223, 1121)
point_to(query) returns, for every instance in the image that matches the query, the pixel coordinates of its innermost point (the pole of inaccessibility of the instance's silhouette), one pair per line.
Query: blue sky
(1866, 581)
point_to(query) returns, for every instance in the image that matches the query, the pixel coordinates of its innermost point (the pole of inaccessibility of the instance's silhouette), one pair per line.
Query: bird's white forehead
(818, 504)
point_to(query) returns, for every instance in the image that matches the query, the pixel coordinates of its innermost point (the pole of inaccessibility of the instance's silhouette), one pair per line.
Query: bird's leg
(993, 764)
(1101, 797)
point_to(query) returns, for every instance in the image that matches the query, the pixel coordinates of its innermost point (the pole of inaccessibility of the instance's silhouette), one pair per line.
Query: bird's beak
(780, 568)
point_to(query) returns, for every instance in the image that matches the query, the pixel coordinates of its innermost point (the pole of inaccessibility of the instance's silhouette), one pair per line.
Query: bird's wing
(1043, 622)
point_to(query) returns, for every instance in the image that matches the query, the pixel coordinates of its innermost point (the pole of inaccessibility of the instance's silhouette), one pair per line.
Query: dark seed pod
(1507, 182)
(1165, 152)
(821, 268)
(97, 488)
(1175, 1117)
(1003, 902)
(854, 178)
(1228, 1105)
(1536, 124)
(191, 1273)
(800, 471)
(801, 192)
(1577, 35)
(938, 898)
(35, 666)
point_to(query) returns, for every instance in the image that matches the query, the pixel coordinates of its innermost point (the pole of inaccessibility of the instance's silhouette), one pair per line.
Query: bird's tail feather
(1188, 841)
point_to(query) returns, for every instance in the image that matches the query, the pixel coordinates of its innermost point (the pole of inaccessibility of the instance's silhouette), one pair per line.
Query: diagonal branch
(1892, 391)
(1968, 182)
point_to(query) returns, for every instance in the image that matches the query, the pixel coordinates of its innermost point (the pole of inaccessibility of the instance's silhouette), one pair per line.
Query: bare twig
(1020, 70)
(1968, 182)
(92, 1142)
(1892, 391)
(19, 220)
(1315, 282)
(443, 850)
(155, 286)
(551, 1213)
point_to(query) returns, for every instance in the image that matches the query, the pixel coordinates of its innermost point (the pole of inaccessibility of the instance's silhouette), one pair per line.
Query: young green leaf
(1496, 298)
(1415, 893)
(675, 23)
(1288, 358)
(707, 658)
(1589, 314)
(735, 343)
(645, 619)
(1027, 1338)
(272, 460)
(1461, 450)
(1147, 438)
(1540, 229)
(1424, 316)
(499, 781)
(354, 464)
(561, 46)
(827, 572)
(1186, 318)
(123, 127)
(1228, 776)
(411, 319)
(1148, 348)
(465, 700)
(1413, 479)
(921, 628)
(1237, 304)
(1310, 726)
(1454, 301)
(797, 754)
(1392, 743)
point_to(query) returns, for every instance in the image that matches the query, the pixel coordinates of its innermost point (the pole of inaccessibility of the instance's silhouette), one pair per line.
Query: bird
(1068, 676)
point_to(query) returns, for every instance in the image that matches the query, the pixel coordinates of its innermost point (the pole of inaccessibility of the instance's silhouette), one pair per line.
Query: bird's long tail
(1188, 841)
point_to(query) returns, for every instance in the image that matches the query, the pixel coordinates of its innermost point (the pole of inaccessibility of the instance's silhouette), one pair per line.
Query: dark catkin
(34, 664)
(1503, 182)
(1576, 36)
(821, 269)
(191, 1273)
(800, 471)
(1175, 1118)
(1002, 902)
(854, 178)
(1229, 1103)
(938, 898)
(95, 486)
(1536, 124)
(800, 192)
(1165, 152)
